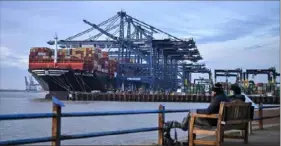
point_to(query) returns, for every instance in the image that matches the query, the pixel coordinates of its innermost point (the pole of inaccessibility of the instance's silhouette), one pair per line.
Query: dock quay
(261, 120)
(80, 96)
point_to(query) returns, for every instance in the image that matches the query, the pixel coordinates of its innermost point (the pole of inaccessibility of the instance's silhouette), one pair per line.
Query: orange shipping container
(71, 65)
(40, 65)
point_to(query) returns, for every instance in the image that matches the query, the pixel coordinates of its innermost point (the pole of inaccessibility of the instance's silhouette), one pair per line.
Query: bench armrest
(210, 116)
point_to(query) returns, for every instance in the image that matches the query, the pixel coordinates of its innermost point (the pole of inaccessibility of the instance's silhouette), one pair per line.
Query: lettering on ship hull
(84, 74)
(49, 72)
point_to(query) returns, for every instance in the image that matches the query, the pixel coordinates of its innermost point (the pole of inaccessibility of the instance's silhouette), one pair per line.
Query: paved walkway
(269, 136)
(265, 137)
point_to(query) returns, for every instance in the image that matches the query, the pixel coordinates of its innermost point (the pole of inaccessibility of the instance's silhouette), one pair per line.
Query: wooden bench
(234, 115)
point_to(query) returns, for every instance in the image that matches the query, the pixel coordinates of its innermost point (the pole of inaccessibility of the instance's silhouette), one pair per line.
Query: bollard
(260, 116)
(56, 121)
(161, 120)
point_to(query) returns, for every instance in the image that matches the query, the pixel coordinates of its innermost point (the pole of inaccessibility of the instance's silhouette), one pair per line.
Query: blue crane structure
(30, 85)
(156, 63)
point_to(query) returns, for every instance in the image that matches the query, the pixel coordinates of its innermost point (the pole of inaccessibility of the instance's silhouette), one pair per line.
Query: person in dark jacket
(218, 97)
(236, 93)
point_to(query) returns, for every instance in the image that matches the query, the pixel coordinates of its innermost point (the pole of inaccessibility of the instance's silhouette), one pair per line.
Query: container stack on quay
(87, 59)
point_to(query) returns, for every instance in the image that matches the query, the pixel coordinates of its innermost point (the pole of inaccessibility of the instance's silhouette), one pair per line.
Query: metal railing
(56, 116)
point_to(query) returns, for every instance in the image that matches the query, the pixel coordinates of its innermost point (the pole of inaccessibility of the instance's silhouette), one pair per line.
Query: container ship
(61, 71)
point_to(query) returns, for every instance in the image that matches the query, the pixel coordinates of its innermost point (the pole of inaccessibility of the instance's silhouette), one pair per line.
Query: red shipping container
(32, 53)
(98, 50)
(105, 53)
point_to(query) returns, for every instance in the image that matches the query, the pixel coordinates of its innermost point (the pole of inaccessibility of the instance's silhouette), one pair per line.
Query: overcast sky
(228, 34)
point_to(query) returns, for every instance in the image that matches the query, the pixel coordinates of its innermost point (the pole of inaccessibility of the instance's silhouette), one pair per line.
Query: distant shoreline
(11, 90)
(18, 90)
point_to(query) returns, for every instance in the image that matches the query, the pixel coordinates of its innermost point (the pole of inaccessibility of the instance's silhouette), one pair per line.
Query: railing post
(56, 121)
(260, 116)
(161, 120)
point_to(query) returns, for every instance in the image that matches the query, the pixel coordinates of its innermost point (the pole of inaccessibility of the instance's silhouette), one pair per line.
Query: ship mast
(56, 45)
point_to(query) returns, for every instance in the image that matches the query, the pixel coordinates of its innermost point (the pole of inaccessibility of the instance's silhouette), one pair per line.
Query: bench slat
(204, 132)
(233, 137)
(212, 116)
(205, 142)
(235, 122)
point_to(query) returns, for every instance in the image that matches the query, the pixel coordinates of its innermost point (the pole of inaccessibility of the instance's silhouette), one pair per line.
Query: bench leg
(190, 131)
(246, 133)
(220, 133)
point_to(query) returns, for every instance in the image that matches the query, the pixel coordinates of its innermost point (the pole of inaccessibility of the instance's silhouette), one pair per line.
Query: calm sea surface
(22, 102)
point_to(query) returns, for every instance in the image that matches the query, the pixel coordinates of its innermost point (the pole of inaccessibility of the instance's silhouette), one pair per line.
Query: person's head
(235, 89)
(217, 89)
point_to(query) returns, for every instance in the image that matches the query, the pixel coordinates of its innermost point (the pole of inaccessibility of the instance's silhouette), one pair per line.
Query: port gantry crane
(189, 69)
(271, 76)
(152, 61)
(30, 85)
(238, 73)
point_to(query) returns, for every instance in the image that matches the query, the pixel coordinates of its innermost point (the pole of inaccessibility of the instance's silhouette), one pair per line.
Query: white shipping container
(67, 57)
(41, 54)
(46, 57)
(88, 46)
(52, 57)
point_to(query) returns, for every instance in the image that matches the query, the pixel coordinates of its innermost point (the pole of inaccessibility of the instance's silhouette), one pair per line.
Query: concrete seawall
(160, 98)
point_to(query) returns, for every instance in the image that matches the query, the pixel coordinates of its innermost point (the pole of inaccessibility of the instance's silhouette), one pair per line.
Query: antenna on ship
(56, 45)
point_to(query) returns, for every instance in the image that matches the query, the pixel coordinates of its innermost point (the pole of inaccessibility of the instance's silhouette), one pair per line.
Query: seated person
(236, 93)
(218, 96)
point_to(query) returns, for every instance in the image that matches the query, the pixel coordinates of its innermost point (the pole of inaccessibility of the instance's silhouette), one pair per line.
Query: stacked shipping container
(87, 59)
(42, 54)
(41, 57)
(112, 67)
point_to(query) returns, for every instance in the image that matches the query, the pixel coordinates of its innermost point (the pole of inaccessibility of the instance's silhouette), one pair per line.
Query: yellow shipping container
(77, 55)
(62, 50)
(73, 51)
(185, 82)
(78, 49)
(82, 49)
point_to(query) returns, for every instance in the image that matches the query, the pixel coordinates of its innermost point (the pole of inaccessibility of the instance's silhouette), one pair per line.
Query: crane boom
(124, 42)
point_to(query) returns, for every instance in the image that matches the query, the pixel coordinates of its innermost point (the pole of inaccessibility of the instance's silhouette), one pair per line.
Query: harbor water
(24, 102)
